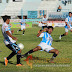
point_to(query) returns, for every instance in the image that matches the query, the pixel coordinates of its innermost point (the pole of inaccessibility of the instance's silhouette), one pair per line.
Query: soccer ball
(21, 46)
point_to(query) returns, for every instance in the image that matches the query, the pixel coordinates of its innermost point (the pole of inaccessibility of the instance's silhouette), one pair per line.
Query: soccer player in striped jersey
(68, 26)
(45, 44)
(10, 41)
(23, 24)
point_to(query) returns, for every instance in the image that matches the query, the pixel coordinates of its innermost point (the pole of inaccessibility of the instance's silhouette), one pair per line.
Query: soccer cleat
(23, 34)
(60, 37)
(6, 61)
(51, 60)
(19, 65)
(22, 56)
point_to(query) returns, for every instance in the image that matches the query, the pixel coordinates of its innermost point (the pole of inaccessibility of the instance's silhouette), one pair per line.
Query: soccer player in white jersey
(68, 26)
(10, 41)
(23, 24)
(44, 22)
(45, 44)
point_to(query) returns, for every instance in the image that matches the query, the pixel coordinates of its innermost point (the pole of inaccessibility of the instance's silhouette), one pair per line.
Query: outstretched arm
(41, 32)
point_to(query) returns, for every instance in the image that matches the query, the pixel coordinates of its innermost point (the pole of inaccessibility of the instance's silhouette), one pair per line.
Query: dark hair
(70, 12)
(5, 18)
(50, 27)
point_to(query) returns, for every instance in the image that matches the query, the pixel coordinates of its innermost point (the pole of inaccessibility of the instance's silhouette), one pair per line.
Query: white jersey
(69, 21)
(46, 38)
(7, 39)
(23, 21)
(46, 42)
(44, 20)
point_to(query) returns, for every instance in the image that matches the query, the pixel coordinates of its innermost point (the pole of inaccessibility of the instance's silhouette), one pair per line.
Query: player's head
(6, 19)
(44, 16)
(23, 17)
(50, 29)
(70, 14)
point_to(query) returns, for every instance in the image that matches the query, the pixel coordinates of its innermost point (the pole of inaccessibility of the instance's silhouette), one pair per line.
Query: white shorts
(66, 29)
(45, 47)
(23, 27)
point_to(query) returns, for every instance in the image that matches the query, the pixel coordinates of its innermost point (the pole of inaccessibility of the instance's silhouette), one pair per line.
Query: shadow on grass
(62, 40)
(37, 58)
(17, 34)
(47, 60)
(10, 62)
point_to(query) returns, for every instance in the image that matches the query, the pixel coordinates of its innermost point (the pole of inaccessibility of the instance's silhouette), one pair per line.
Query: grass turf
(63, 62)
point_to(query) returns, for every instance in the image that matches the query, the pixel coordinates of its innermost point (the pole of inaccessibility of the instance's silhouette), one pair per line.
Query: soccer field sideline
(30, 41)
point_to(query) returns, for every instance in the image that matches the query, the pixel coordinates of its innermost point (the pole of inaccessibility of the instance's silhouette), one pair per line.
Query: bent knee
(56, 52)
(19, 51)
(66, 33)
(71, 30)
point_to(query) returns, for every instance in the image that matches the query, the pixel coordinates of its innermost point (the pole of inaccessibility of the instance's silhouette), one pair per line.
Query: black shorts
(14, 47)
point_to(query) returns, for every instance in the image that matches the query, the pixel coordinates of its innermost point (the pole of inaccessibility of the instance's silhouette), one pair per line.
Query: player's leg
(50, 49)
(10, 56)
(66, 33)
(18, 58)
(55, 53)
(15, 50)
(71, 30)
(42, 27)
(18, 52)
(20, 29)
(31, 51)
(23, 31)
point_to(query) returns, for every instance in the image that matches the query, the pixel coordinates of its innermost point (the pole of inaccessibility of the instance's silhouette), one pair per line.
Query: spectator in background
(59, 9)
(66, 2)
(69, 1)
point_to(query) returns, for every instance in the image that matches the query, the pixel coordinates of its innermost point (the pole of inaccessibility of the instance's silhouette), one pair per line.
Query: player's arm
(9, 34)
(41, 32)
(12, 31)
(43, 22)
(67, 24)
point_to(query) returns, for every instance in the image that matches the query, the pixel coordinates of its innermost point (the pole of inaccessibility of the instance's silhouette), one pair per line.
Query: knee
(56, 52)
(71, 30)
(66, 33)
(19, 51)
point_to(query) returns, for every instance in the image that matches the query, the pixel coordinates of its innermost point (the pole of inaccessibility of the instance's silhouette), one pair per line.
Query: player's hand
(45, 29)
(68, 26)
(15, 38)
(12, 31)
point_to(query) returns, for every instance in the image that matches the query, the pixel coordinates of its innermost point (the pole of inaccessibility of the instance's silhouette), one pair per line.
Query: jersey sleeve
(42, 20)
(66, 20)
(41, 35)
(21, 20)
(6, 28)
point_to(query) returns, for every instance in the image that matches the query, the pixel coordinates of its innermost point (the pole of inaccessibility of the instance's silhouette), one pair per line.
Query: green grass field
(63, 62)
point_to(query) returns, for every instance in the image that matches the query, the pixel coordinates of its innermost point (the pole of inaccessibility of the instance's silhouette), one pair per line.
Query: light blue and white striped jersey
(68, 20)
(23, 21)
(46, 38)
(7, 39)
